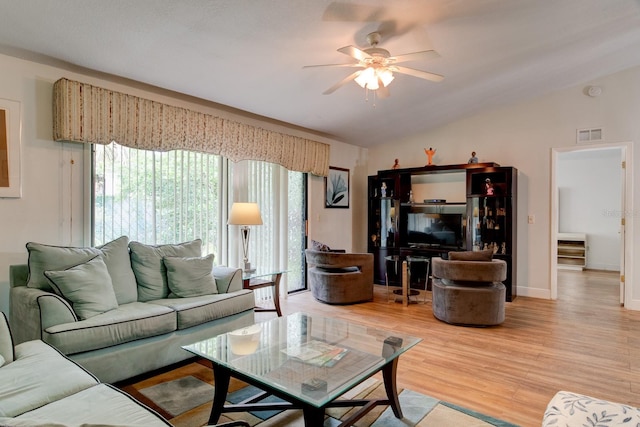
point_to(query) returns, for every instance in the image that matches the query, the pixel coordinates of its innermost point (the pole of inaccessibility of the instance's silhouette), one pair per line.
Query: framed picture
(336, 188)
(10, 185)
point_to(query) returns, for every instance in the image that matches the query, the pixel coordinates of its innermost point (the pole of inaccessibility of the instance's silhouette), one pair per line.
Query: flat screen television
(435, 230)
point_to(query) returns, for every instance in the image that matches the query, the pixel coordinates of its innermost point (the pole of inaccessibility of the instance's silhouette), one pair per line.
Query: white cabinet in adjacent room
(572, 251)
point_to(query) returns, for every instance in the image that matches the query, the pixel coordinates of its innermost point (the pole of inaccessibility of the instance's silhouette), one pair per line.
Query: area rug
(188, 400)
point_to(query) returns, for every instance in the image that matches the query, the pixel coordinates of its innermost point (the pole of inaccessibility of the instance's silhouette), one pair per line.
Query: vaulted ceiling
(249, 54)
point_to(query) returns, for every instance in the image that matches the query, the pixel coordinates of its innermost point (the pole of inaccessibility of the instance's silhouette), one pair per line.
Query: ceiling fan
(377, 66)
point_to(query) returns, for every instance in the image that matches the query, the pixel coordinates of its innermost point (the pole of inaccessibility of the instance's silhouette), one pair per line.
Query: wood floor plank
(583, 342)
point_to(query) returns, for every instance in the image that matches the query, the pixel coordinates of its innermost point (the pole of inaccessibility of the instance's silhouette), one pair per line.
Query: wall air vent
(587, 136)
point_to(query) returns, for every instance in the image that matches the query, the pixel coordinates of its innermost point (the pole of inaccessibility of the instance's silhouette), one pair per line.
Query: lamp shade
(245, 214)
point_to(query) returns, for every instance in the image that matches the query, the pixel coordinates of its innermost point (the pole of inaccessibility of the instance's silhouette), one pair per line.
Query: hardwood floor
(583, 342)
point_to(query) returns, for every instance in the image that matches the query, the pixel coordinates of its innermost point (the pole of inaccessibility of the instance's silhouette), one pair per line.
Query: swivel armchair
(340, 278)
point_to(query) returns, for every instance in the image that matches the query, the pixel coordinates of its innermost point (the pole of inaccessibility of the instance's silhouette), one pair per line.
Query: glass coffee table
(308, 361)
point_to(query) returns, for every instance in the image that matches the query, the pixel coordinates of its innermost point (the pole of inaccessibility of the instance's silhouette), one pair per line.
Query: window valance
(90, 114)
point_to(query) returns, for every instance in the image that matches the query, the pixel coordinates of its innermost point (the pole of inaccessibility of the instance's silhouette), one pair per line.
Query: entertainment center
(432, 210)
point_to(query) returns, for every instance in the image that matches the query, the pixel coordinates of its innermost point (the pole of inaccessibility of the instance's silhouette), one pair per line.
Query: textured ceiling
(250, 54)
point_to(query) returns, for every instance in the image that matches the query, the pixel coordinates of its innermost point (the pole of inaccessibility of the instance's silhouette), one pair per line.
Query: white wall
(522, 136)
(51, 209)
(590, 200)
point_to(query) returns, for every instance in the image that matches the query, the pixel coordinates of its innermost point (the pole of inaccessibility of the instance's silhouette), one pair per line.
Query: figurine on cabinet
(473, 158)
(396, 164)
(430, 153)
(488, 187)
(383, 190)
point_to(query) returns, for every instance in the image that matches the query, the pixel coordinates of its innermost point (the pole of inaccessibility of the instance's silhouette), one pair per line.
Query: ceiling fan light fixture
(365, 77)
(373, 83)
(371, 78)
(386, 76)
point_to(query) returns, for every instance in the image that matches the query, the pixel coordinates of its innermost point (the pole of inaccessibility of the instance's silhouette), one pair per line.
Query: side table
(260, 279)
(403, 268)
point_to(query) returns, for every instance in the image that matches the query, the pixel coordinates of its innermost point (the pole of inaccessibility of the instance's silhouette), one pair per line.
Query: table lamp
(245, 214)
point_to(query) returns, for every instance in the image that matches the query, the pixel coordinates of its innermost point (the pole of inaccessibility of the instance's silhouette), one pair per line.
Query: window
(170, 197)
(281, 196)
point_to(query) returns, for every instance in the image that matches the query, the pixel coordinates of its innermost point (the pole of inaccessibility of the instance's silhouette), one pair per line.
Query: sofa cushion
(86, 286)
(6, 341)
(150, 271)
(203, 309)
(484, 255)
(98, 405)
(38, 376)
(126, 323)
(116, 257)
(190, 276)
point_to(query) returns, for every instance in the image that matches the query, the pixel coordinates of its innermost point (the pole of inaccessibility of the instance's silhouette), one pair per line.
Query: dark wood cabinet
(383, 237)
(491, 216)
(484, 215)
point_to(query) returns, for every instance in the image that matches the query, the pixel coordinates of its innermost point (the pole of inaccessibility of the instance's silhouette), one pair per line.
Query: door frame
(626, 230)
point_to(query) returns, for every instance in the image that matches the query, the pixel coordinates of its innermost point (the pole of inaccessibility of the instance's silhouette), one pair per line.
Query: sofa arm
(228, 279)
(55, 310)
(33, 310)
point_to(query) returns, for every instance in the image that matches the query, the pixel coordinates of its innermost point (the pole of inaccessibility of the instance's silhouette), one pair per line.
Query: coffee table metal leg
(221, 379)
(389, 375)
(313, 417)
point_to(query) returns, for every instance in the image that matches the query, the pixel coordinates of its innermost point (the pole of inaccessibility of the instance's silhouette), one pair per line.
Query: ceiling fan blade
(418, 73)
(352, 65)
(354, 52)
(341, 83)
(414, 56)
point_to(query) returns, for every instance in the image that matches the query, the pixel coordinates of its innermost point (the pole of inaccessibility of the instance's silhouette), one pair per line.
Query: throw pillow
(485, 255)
(318, 246)
(6, 341)
(56, 258)
(86, 286)
(47, 257)
(150, 271)
(115, 255)
(190, 276)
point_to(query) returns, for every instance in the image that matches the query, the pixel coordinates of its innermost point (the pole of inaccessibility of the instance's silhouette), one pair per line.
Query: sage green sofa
(124, 309)
(39, 386)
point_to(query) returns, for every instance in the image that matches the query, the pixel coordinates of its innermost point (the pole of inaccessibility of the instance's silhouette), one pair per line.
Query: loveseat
(125, 308)
(40, 386)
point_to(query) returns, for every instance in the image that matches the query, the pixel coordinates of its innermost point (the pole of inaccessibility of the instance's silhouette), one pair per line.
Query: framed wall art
(336, 188)
(10, 185)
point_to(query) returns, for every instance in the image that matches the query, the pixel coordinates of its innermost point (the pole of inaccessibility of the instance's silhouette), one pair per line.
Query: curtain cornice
(90, 114)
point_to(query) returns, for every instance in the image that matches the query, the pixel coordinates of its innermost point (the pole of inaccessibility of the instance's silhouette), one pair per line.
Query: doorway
(609, 209)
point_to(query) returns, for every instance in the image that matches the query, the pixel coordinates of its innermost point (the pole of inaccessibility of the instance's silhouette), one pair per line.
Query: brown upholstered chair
(469, 292)
(340, 278)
